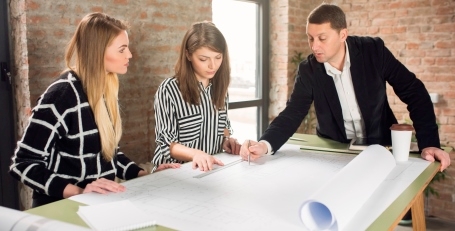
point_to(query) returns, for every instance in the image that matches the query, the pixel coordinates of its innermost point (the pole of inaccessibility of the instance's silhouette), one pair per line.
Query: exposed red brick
(444, 27)
(385, 30)
(32, 5)
(37, 19)
(412, 46)
(399, 29)
(121, 2)
(445, 44)
(97, 9)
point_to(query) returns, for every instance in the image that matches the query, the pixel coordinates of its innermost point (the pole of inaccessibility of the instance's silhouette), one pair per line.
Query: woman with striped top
(70, 145)
(191, 107)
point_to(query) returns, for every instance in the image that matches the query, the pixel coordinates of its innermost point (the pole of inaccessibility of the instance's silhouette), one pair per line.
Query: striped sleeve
(165, 124)
(228, 122)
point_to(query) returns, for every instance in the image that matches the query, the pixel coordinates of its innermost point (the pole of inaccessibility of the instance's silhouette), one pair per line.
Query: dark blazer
(372, 66)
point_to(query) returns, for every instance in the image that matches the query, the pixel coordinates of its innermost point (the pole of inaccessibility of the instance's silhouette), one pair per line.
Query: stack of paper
(119, 215)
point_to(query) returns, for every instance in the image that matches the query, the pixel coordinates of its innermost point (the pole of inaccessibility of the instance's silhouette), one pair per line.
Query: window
(244, 24)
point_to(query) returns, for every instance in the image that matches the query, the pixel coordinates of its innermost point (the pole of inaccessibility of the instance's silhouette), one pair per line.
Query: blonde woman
(70, 145)
(191, 107)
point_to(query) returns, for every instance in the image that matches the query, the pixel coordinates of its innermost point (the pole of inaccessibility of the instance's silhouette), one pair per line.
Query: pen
(249, 152)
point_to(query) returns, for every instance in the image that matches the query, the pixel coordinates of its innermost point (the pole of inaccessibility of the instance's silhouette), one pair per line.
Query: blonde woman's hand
(231, 145)
(166, 166)
(142, 173)
(204, 161)
(103, 186)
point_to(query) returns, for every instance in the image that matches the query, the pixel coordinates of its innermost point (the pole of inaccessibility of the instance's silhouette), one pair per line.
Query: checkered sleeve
(35, 151)
(126, 169)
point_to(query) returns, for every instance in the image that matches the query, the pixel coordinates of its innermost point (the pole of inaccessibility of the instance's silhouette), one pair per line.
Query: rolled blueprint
(333, 205)
(15, 220)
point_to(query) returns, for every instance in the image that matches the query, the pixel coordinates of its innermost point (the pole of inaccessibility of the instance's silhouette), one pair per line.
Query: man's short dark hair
(328, 13)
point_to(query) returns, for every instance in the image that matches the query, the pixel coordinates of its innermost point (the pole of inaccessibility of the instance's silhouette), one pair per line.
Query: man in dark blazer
(346, 79)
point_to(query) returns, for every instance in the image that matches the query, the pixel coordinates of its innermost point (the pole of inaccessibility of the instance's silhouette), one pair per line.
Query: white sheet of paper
(265, 195)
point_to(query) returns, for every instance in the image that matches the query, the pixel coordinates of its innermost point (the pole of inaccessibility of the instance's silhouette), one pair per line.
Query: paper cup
(401, 141)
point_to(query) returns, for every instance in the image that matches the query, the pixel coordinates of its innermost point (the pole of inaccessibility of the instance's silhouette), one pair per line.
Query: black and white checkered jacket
(61, 144)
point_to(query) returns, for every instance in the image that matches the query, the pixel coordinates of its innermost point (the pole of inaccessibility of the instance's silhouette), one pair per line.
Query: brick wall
(156, 30)
(298, 12)
(420, 33)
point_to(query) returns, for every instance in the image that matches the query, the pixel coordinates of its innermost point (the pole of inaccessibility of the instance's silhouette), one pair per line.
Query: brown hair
(203, 34)
(87, 47)
(328, 13)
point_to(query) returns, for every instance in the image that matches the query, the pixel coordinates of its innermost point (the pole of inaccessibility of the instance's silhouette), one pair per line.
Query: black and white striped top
(61, 144)
(195, 126)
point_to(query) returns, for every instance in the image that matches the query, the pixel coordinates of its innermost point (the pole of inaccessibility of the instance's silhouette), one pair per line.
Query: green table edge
(390, 215)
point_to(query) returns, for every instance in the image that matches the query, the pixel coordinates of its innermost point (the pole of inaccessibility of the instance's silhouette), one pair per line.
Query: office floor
(433, 224)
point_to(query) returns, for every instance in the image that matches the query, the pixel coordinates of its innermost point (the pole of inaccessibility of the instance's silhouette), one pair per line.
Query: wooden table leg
(418, 214)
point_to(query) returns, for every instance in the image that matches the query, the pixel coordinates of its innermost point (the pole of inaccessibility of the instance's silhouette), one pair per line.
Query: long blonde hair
(203, 34)
(87, 47)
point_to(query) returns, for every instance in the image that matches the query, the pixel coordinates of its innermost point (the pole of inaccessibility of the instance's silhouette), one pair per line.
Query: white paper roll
(335, 204)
